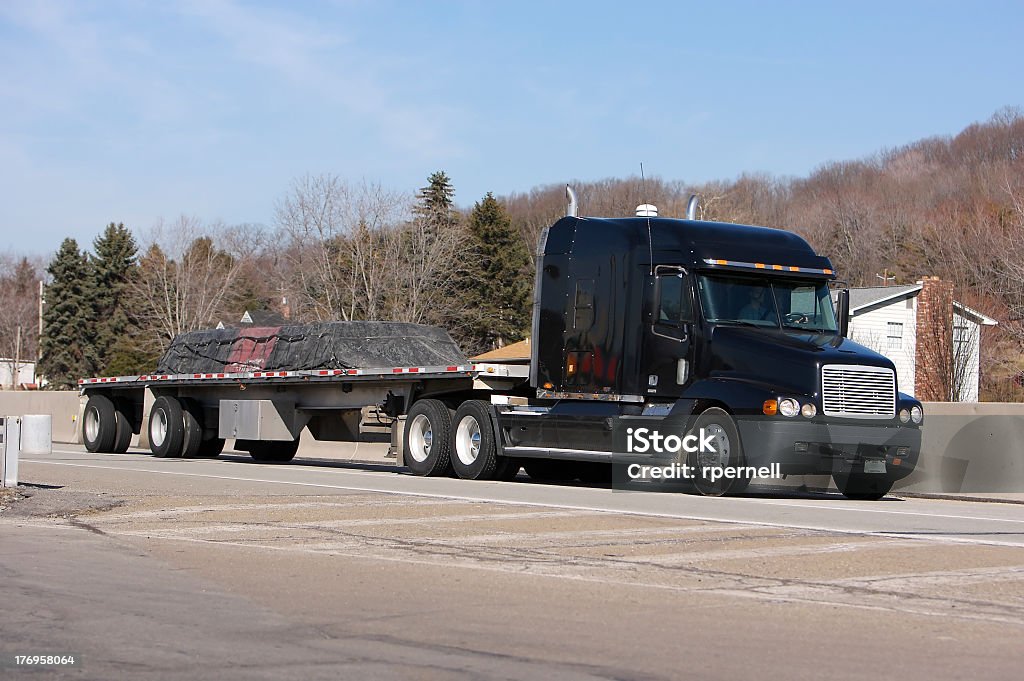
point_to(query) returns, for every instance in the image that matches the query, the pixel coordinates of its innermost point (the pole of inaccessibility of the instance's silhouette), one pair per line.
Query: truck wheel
(728, 452)
(474, 450)
(863, 486)
(209, 449)
(166, 427)
(550, 470)
(273, 451)
(426, 442)
(99, 424)
(191, 414)
(123, 437)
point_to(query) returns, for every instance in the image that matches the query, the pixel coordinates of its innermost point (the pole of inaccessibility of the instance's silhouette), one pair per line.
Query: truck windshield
(767, 302)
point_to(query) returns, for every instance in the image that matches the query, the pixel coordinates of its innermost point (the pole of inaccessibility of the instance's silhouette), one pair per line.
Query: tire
(99, 424)
(123, 436)
(550, 470)
(166, 427)
(211, 448)
(192, 414)
(474, 451)
(728, 452)
(863, 486)
(426, 442)
(273, 451)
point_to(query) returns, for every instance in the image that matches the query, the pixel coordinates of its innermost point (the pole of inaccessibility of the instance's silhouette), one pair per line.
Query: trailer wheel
(166, 427)
(191, 414)
(426, 442)
(728, 452)
(474, 450)
(863, 486)
(123, 436)
(273, 451)
(99, 424)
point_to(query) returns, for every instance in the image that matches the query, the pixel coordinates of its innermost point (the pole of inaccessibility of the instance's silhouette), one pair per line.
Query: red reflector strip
(413, 370)
(452, 369)
(397, 371)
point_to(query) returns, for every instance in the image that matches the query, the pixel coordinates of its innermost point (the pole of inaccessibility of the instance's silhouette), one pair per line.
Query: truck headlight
(917, 414)
(904, 416)
(789, 407)
(809, 410)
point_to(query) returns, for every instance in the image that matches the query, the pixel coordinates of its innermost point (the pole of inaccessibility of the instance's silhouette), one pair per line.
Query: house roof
(873, 295)
(513, 351)
(878, 296)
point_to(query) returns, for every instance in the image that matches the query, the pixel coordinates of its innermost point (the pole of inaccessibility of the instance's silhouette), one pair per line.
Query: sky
(140, 111)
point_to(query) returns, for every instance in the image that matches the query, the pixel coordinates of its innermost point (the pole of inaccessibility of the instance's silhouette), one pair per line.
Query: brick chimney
(934, 355)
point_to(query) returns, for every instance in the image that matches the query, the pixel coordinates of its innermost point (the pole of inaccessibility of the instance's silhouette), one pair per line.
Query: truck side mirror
(843, 312)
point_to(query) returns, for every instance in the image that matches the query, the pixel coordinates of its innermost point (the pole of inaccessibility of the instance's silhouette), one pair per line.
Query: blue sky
(131, 111)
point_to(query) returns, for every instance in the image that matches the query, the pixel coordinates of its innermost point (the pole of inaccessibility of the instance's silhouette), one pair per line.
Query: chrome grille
(858, 392)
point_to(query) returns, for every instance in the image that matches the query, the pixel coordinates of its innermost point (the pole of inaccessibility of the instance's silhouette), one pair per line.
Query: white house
(892, 320)
(16, 373)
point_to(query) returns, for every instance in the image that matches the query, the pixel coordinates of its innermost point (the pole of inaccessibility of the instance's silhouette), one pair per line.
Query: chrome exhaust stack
(691, 207)
(571, 211)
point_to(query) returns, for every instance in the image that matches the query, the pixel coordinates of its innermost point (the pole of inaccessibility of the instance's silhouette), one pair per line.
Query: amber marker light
(770, 407)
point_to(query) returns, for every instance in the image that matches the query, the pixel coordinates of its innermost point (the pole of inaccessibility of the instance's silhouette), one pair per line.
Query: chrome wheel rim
(158, 428)
(421, 438)
(720, 438)
(467, 440)
(92, 425)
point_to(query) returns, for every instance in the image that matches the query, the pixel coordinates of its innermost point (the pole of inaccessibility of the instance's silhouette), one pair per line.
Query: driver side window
(674, 305)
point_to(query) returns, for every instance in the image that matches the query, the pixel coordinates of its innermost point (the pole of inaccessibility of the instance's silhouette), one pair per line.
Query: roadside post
(10, 448)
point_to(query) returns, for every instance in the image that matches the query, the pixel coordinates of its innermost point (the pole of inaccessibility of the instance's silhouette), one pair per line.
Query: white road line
(579, 507)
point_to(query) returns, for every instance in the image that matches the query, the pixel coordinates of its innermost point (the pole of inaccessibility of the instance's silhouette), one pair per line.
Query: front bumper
(816, 447)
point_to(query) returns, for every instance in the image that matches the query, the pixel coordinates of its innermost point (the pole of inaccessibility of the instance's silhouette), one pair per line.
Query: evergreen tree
(435, 203)
(112, 268)
(68, 342)
(498, 281)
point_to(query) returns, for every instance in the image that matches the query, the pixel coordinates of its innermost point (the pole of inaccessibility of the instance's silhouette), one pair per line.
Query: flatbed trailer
(696, 331)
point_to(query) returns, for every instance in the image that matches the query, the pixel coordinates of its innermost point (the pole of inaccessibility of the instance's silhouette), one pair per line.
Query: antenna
(650, 240)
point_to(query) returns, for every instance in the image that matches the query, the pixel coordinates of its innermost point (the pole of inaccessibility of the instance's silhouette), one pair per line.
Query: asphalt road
(152, 569)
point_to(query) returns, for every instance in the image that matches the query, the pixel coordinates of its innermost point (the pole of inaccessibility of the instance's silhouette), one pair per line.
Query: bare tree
(19, 313)
(339, 252)
(186, 277)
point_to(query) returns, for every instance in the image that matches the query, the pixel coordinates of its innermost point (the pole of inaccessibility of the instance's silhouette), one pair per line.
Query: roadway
(155, 568)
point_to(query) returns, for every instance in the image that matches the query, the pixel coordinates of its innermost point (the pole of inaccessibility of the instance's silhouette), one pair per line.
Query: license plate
(874, 466)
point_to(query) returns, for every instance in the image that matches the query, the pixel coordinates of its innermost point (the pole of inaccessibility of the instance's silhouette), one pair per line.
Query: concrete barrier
(61, 405)
(970, 448)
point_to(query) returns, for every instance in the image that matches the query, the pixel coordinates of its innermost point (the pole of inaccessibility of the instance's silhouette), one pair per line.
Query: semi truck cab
(680, 324)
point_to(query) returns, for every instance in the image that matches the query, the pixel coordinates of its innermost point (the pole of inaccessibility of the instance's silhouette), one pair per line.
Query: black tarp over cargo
(325, 345)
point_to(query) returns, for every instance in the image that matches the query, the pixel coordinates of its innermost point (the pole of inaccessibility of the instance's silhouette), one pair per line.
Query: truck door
(666, 362)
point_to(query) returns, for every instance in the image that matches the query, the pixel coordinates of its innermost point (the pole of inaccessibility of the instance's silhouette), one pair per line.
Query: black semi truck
(641, 326)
